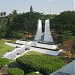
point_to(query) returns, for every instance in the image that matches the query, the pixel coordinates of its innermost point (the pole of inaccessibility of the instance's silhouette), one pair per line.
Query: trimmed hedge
(15, 71)
(43, 63)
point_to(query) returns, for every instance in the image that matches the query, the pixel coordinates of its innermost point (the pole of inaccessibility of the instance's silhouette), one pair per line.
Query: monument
(47, 33)
(39, 31)
(47, 37)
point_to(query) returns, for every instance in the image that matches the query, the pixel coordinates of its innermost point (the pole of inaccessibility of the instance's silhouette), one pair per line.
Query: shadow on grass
(16, 65)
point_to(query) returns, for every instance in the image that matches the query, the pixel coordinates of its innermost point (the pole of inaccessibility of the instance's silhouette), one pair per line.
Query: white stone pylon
(39, 31)
(47, 33)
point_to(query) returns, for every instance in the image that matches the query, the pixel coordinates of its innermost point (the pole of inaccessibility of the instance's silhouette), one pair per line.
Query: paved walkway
(49, 52)
(13, 45)
(34, 43)
(25, 48)
(16, 53)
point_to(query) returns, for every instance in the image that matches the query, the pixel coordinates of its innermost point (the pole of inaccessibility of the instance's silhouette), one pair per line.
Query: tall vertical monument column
(39, 31)
(47, 33)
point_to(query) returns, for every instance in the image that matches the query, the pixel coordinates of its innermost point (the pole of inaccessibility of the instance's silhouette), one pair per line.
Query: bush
(43, 63)
(15, 71)
(3, 62)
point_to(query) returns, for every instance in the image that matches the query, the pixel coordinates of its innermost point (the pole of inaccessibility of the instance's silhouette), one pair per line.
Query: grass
(33, 53)
(8, 40)
(4, 48)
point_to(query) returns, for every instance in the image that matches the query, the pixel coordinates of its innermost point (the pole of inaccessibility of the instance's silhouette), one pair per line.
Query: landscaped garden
(16, 25)
(4, 48)
(45, 64)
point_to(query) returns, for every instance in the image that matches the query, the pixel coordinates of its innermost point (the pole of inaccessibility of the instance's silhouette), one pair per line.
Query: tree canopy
(64, 21)
(17, 24)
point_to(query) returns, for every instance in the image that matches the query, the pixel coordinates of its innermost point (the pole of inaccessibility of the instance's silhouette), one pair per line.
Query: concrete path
(22, 42)
(49, 52)
(34, 43)
(16, 53)
(21, 49)
(13, 45)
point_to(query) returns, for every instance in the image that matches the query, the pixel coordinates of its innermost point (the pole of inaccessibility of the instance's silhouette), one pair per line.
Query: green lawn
(33, 53)
(4, 48)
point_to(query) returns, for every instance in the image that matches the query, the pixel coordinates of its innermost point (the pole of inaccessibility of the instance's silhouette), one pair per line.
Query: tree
(10, 23)
(64, 21)
(65, 35)
(14, 12)
(3, 14)
(30, 21)
(3, 22)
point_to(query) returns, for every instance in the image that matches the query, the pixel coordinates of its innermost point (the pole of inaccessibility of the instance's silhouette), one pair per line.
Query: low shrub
(3, 62)
(15, 71)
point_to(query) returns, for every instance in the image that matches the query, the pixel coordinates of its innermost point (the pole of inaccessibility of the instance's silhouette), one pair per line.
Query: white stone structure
(44, 51)
(39, 31)
(47, 33)
(13, 45)
(46, 46)
(30, 43)
(22, 42)
(34, 43)
(46, 37)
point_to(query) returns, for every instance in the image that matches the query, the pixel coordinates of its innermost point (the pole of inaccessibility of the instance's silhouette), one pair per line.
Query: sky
(42, 6)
